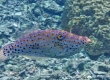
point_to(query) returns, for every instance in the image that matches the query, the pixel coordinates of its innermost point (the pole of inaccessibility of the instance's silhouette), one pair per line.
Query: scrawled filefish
(45, 43)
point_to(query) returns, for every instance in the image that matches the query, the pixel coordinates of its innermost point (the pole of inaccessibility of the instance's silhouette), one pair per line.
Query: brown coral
(89, 18)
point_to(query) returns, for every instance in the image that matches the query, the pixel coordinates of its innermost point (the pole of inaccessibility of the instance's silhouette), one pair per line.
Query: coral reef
(20, 17)
(78, 66)
(89, 18)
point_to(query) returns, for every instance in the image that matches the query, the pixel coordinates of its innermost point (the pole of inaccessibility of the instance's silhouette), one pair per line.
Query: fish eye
(60, 37)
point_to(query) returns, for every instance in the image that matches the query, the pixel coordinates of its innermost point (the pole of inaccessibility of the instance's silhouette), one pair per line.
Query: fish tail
(3, 57)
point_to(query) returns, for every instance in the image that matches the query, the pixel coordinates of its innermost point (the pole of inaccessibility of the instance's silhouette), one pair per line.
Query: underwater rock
(108, 76)
(36, 12)
(32, 1)
(52, 8)
(60, 2)
(17, 17)
(104, 68)
(90, 18)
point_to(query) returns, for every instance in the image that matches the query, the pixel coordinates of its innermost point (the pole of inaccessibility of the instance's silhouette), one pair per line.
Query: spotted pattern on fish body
(46, 43)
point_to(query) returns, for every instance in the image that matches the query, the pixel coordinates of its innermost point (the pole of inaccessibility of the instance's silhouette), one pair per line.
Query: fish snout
(87, 40)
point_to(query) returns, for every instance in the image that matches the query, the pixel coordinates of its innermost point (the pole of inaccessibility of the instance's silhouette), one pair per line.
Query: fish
(45, 43)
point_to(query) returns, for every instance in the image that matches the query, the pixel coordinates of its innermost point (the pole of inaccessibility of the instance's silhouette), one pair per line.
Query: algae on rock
(89, 18)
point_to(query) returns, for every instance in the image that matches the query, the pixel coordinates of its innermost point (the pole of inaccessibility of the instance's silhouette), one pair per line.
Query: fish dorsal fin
(19, 33)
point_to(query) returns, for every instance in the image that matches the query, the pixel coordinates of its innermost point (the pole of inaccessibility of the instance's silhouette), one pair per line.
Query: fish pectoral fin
(29, 57)
(38, 58)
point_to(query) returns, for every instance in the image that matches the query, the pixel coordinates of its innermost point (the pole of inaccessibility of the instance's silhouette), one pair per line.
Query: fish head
(70, 42)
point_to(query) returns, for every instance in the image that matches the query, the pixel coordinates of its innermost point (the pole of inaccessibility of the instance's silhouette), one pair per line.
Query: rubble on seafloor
(78, 66)
(18, 17)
